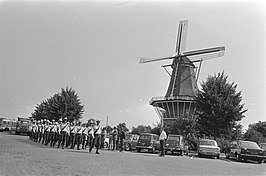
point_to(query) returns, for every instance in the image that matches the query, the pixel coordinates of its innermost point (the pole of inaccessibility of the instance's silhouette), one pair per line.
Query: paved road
(20, 156)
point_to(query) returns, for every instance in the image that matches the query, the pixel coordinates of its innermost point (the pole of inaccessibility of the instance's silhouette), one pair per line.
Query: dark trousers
(89, 141)
(78, 140)
(52, 138)
(96, 142)
(58, 139)
(162, 144)
(63, 139)
(121, 145)
(72, 140)
(84, 139)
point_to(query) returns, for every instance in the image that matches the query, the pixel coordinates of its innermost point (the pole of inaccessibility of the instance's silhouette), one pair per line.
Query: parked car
(175, 143)
(208, 147)
(263, 147)
(245, 150)
(148, 141)
(130, 142)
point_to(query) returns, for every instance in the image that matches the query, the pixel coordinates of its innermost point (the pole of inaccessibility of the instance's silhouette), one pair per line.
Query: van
(149, 142)
(175, 143)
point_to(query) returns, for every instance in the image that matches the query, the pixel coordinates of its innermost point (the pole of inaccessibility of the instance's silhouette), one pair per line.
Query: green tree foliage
(63, 104)
(256, 132)
(218, 106)
(141, 129)
(123, 126)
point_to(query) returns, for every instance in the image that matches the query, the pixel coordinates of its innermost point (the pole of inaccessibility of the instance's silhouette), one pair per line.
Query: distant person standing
(122, 137)
(162, 139)
(114, 135)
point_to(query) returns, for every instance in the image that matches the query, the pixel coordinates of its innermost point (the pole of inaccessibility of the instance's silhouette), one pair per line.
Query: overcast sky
(94, 47)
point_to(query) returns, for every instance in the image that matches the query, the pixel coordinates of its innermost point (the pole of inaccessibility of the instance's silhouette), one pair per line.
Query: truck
(22, 126)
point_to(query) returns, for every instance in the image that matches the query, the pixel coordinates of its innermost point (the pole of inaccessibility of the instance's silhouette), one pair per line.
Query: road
(20, 156)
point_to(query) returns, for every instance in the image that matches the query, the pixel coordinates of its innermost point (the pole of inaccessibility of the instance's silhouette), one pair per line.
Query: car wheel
(138, 149)
(165, 151)
(128, 147)
(105, 145)
(218, 156)
(238, 157)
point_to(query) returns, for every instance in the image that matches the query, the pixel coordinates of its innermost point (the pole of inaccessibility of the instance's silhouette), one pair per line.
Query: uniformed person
(79, 135)
(34, 129)
(58, 133)
(48, 128)
(30, 129)
(52, 133)
(97, 135)
(90, 133)
(84, 135)
(38, 130)
(64, 131)
(72, 132)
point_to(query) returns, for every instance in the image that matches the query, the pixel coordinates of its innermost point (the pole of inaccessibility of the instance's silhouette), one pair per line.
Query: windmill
(179, 98)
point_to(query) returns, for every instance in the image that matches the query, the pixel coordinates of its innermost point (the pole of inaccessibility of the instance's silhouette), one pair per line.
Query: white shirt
(97, 129)
(163, 135)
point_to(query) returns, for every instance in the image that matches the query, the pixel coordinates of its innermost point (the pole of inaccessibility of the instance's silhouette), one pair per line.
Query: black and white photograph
(132, 87)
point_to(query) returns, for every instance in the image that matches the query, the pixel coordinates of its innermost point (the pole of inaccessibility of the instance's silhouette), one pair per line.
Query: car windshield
(127, 137)
(146, 137)
(249, 145)
(174, 138)
(210, 143)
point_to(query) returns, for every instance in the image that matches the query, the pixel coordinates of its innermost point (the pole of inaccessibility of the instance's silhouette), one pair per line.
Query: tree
(256, 132)
(218, 106)
(124, 126)
(63, 104)
(141, 129)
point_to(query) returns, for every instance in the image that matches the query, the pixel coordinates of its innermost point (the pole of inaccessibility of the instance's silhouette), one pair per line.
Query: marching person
(58, 133)
(72, 131)
(38, 131)
(97, 134)
(162, 139)
(78, 135)
(84, 135)
(34, 127)
(63, 132)
(41, 130)
(30, 129)
(47, 130)
(52, 133)
(90, 133)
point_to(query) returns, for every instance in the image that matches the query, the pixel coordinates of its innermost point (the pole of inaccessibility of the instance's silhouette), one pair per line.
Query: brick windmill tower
(179, 98)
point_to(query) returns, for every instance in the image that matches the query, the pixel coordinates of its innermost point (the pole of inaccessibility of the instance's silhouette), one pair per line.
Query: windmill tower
(179, 98)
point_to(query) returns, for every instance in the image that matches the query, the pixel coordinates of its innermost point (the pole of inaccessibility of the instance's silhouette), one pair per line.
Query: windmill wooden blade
(205, 54)
(181, 37)
(145, 60)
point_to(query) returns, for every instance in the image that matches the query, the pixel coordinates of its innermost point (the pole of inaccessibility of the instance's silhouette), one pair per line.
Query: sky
(95, 46)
